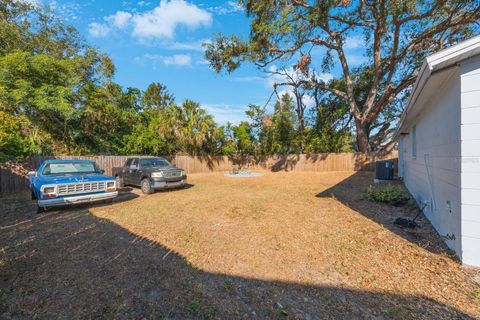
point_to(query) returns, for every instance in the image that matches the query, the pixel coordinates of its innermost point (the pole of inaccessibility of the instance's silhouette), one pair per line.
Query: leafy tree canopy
(397, 36)
(57, 96)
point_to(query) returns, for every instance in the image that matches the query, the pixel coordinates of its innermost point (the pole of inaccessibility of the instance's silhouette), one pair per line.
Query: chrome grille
(172, 174)
(84, 187)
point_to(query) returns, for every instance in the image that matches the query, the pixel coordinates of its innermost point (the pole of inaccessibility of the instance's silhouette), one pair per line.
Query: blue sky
(160, 41)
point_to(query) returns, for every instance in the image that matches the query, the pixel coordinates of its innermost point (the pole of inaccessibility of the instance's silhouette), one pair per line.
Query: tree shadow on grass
(176, 189)
(74, 265)
(351, 192)
(19, 208)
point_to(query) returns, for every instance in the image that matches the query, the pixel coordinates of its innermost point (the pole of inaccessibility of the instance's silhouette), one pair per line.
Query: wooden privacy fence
(13, 176)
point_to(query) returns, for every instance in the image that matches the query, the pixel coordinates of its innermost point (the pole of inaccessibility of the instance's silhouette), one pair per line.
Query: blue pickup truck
(65, 182)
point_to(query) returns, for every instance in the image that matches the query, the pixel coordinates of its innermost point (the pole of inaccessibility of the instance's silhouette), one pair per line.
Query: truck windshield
(154, 162)
(70, 168)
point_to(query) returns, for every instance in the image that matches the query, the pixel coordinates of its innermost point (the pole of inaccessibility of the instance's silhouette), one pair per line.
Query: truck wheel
(119, 181)
(41, 209)
(33, 196)
(146, 187)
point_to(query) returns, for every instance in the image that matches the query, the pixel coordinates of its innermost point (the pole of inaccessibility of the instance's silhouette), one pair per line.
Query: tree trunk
(300, 112)
(362, 137)
(301, 123)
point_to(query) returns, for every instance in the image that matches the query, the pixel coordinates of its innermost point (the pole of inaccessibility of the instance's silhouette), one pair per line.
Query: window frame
(134, 164)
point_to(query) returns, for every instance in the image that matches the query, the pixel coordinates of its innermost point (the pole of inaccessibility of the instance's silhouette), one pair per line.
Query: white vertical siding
(434, 175)
(470, 147)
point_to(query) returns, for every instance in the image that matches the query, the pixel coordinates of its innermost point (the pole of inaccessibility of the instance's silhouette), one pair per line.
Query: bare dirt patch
(297, 245)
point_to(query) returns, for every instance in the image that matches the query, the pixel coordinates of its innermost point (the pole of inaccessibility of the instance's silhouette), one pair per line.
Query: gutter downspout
(430, 184)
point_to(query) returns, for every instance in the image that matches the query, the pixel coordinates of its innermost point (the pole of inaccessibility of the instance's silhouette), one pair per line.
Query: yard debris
(406, 223)
(410, 223)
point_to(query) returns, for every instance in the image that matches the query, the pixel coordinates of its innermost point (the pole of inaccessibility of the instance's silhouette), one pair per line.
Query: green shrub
(390, 193)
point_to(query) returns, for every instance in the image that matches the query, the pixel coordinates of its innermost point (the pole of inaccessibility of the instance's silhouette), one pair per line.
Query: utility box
(384, 170)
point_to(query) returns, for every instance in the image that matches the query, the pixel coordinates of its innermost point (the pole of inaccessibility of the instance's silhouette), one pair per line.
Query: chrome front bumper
(76, 199)
(168, 184)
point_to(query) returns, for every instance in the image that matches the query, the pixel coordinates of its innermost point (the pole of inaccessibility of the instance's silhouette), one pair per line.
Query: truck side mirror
(32, 173)
(102, 171)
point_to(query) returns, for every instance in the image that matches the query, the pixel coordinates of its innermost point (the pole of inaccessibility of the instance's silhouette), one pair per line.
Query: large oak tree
(397, 35)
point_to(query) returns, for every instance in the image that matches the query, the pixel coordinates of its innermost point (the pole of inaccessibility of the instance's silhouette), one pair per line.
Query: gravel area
(243, 174)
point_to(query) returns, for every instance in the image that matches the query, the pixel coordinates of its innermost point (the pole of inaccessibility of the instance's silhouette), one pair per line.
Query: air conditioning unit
(384, 170)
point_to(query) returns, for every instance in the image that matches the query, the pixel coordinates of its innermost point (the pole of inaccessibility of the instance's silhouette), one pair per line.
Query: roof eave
(422, 77)
(433, 63)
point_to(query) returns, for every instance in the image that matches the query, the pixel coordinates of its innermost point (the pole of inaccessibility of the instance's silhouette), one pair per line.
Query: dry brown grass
(296, 245)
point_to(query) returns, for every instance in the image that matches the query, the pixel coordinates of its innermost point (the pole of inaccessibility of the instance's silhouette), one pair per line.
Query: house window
(414, 142)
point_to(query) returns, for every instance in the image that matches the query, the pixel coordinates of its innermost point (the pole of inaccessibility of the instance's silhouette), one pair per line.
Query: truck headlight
(49, 192)
(157, 174)
(183, 173)
(111, 186)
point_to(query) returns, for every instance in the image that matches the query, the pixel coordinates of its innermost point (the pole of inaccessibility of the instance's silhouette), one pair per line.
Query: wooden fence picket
(13, 175)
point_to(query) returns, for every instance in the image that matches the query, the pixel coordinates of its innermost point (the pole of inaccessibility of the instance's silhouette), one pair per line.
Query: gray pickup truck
(150, 174)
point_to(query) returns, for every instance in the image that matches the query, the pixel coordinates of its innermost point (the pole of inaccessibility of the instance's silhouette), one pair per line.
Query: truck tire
(146, 187)
(119, 182)
(41, 209)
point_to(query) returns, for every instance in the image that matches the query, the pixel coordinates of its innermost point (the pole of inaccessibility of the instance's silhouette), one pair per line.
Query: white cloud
(325, 77)
(163, 20)
(224, 113)
(202, 62)
(98, 30)
(190, 46)
(119, 19)
(355, 50)
(159, 23)
(355, 59)
(181, 60)
(235, 6)
(231, 7)
(178, 60)
(66, 10)
(354, 42)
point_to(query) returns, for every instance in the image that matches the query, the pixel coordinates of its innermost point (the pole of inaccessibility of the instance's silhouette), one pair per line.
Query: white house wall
(470, 147)
(438, 148)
